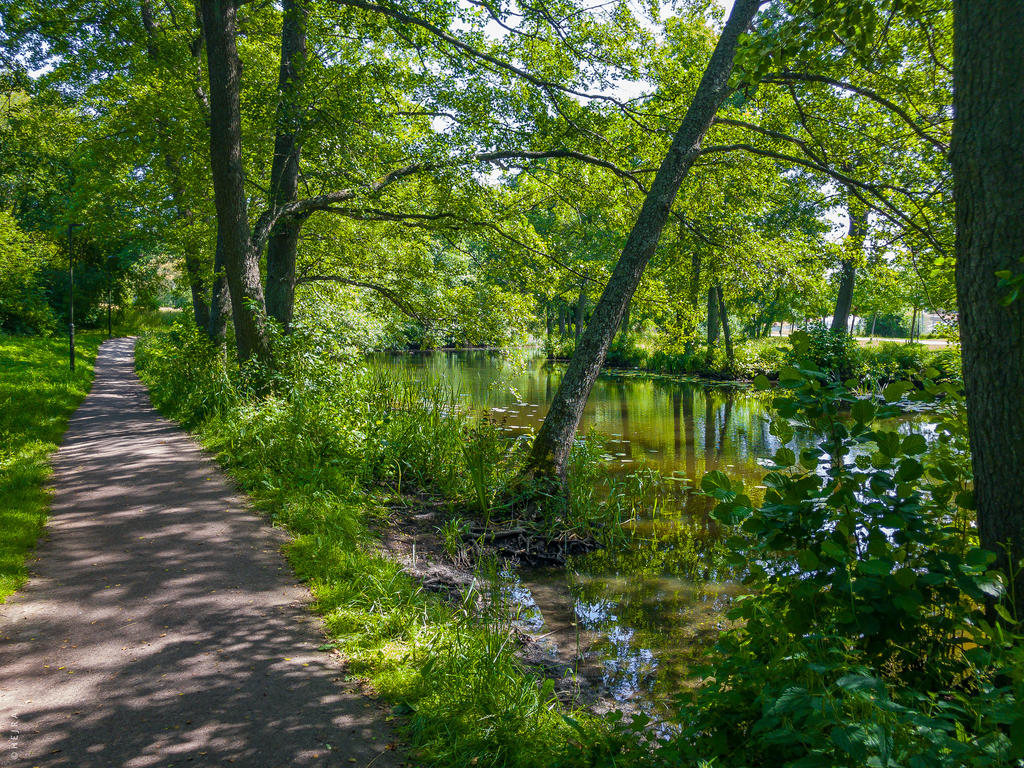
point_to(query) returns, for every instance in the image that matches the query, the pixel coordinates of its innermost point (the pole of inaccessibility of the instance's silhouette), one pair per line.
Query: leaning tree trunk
(241, 262)
(284, 172)
(988, 176)
(550, 451)
(848, 269)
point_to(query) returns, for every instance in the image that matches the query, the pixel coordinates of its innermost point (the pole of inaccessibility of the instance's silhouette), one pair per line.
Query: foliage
(23, 305)
(866, 640)
(835, 352)
(38, 393)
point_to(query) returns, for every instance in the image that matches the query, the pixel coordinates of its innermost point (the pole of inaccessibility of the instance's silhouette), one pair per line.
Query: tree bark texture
(284, 173)
(241, 262)
(550, 451)
(988, 175)
(848, 269)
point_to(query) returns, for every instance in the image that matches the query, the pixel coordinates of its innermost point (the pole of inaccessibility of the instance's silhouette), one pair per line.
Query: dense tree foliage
(666, 185)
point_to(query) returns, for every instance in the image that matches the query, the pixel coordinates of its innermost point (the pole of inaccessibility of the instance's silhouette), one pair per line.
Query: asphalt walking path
(162, 626)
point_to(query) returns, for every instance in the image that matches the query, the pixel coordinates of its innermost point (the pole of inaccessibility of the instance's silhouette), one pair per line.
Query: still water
(631, 622)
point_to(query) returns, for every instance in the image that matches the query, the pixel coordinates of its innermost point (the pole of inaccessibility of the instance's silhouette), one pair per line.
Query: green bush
(765, 356)
(834, 352)
(625, 352)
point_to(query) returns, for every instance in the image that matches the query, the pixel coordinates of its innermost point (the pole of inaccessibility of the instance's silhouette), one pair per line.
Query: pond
(631, 621)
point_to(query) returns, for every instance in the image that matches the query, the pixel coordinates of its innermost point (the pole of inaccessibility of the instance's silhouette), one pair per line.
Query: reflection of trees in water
(649, 630)
(624, 427)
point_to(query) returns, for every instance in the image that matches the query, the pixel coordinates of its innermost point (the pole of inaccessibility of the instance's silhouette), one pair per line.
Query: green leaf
(965, 499)
(808, 560)
(905, 577)
(914, 445)
(875, 566)
(1004, 613)
(863, 411)
(785, 457)
(909, 470)
(833, 550)
(979, 558)
(790, 373)
(715, 480)
(761, 382)
(809, 458)
(896, 390)
(888, 443)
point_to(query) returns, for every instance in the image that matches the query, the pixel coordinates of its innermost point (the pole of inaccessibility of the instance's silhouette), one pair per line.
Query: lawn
(38, 393)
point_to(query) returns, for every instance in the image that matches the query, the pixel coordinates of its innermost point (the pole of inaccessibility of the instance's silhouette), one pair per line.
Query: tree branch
(789, 77)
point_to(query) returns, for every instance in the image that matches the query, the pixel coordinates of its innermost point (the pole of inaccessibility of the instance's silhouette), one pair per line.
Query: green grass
(37, 395)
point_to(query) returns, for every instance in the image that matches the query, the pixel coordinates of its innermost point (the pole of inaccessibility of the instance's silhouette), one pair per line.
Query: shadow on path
(162, 626)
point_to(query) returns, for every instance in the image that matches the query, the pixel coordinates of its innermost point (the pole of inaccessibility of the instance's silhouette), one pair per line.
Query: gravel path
(162, 626)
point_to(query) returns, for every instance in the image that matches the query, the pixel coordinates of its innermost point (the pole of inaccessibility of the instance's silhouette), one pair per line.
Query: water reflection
(681, 427)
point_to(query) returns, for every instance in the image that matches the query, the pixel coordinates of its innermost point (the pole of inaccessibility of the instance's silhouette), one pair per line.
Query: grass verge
(38, 393)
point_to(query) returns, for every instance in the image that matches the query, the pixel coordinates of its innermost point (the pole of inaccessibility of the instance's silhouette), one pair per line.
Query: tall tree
(284, 173)
(988, 168)
(550, 452)
(248, 305)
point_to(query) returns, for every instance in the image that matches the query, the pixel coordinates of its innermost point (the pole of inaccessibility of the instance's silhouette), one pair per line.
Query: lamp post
(71, 298)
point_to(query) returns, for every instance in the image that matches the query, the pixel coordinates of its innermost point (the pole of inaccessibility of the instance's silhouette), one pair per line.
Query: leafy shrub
(765, 356)
(626, 353)
(835, 353)
(865, 641)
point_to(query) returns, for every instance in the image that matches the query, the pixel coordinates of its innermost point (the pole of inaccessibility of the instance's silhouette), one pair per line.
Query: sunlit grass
(38, 393)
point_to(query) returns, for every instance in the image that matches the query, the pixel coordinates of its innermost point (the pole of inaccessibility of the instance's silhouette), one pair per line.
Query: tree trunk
(713, 326)
(848, 270)
(874, 318)
(241, 262)
(550, 450)
(730, 357)
(561, 320)
(988, 175)
(284, 172)
(581, 310)
(693, 295)
(220, 303)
